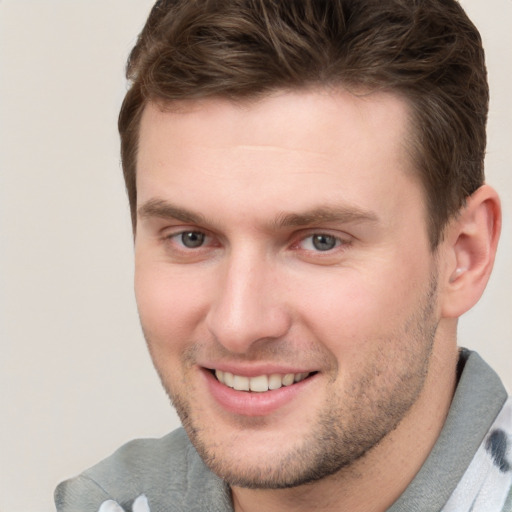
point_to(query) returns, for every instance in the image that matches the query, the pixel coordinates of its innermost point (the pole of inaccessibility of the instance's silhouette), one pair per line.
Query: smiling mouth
(261, 383)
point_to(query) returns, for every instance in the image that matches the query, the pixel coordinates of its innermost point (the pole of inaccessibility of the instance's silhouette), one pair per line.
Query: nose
(248, 305)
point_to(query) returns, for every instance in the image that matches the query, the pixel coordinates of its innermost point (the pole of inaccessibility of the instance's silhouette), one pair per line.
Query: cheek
(354, 311)
(169, 305)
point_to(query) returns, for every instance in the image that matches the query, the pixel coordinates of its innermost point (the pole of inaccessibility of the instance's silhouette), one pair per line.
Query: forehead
(382, 116)
(287, 148)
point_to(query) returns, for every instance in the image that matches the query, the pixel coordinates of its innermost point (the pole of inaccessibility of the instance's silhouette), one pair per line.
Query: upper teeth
(259, 384)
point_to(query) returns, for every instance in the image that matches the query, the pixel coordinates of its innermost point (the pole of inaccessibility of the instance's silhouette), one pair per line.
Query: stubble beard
(351, 423)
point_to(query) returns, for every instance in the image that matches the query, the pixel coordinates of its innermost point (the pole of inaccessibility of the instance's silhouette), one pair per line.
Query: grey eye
(324, 242)
(192, 239)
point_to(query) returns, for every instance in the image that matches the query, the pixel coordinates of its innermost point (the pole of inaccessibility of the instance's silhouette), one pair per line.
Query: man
(310, 219)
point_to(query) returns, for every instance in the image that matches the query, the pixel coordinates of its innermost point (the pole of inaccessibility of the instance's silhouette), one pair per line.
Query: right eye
(189, 244)
(190, 239)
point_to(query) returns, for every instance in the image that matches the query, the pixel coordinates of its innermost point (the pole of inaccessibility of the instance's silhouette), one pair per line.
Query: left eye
(320, 242)
(192, 239)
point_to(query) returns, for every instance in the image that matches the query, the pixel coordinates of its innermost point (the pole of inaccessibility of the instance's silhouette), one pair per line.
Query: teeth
(241, 383)
(259, 384)
(228, 379)
(288, 379)
(275, 381)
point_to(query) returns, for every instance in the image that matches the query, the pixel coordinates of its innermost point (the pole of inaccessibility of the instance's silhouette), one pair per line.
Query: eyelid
(171, 230)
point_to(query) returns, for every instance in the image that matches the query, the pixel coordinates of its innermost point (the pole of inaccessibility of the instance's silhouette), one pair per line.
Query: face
(284, 279)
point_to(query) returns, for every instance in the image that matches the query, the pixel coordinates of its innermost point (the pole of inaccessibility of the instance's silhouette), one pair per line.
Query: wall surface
(75, 378)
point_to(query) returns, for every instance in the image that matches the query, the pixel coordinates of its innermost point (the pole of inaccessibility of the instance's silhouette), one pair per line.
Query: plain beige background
(75, 378)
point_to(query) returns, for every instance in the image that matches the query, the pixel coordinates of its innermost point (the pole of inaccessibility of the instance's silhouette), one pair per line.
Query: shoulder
(165, 470)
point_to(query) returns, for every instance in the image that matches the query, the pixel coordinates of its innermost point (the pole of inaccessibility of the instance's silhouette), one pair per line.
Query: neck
(374, 482)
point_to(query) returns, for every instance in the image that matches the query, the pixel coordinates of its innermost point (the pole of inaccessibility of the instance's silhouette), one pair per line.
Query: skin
(256, 296)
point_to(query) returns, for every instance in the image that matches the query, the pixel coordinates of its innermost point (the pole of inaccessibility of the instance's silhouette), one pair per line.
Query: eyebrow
(163, 209)
(328, 214)
(342, 214)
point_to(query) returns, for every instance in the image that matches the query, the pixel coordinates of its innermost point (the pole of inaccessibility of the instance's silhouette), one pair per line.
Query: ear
(469, 248)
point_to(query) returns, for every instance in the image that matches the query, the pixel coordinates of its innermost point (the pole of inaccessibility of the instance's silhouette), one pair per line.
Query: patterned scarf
(486, 484)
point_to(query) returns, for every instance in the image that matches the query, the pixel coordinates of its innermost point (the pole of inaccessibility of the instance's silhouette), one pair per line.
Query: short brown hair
(427, 51)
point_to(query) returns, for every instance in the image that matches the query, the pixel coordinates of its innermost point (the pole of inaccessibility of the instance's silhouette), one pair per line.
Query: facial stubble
(351, 422)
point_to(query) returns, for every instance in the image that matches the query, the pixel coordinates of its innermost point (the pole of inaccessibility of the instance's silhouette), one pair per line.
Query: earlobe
(472, 240)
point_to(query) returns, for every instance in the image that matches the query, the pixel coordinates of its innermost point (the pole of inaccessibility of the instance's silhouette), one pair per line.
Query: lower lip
(247, 403)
